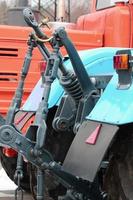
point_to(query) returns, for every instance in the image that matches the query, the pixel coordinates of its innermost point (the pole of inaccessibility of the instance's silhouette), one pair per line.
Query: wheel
(119, 176)
(57, 143)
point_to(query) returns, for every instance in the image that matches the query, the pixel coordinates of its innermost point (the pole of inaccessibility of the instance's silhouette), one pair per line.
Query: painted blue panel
(96, 61)
(115, 106)
(34, 99)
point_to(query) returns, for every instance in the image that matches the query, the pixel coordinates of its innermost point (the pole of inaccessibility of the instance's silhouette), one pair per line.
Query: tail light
(42, 66)
(121, 62)
(9, 152)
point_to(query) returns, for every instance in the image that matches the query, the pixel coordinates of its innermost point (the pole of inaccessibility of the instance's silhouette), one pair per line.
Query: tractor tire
(119, 177)
(57, 144)
(9, 165)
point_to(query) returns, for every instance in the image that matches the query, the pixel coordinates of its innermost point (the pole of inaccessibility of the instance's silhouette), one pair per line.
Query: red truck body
(105, 27)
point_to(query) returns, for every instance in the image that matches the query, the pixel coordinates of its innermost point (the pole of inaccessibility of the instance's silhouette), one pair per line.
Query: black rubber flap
(84, 159)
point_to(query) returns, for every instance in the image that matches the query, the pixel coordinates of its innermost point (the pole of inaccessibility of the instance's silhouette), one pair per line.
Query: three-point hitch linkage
(80, 89)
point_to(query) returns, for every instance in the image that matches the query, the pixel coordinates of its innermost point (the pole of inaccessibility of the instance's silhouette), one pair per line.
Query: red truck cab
(113, 20)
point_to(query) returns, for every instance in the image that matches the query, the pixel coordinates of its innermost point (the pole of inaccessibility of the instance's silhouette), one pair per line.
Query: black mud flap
(88, 149)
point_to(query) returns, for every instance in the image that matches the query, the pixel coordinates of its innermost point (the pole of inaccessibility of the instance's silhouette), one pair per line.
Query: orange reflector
(42, 66)
(121, 62)
(94, 135)
(10, 153)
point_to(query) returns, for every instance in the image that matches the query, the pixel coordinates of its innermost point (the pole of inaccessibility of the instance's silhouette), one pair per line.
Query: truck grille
(8, 52)
(8, 76)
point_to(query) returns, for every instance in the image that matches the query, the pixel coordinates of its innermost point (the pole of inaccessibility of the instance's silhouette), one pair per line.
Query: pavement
(7, 187)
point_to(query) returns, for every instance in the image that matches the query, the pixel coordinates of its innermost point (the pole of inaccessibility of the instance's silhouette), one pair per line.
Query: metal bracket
(65, 115)
(10, 136)
(85, 106)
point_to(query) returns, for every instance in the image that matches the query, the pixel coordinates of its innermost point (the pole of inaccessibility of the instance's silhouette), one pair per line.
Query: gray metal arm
(10, 136)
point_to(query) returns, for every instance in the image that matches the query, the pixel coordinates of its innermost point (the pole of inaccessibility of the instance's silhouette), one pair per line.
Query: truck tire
(9, 165)
(119, 177)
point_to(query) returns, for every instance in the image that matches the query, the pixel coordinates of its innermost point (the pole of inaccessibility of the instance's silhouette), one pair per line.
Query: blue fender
(115, 106)
(96, 61)
(35, 97)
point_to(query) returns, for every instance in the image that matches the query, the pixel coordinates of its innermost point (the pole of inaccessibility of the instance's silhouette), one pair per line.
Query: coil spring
(71, 85)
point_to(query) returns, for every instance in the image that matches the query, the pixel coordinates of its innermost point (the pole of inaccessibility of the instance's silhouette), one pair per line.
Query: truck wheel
(119, 177)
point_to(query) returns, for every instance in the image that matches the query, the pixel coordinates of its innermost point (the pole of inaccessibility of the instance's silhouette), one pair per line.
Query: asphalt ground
(7, 188)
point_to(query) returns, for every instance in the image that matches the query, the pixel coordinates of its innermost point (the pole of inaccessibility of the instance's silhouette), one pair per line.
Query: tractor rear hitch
(78, 87)
(9, 136)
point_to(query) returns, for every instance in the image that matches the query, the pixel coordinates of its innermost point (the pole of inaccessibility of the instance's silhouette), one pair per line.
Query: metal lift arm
(10, 136)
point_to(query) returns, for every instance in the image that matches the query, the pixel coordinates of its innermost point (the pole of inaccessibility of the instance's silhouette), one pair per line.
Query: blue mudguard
(96, 61)
(115, 106)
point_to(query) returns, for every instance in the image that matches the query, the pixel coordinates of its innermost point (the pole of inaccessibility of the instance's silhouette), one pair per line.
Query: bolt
(40, 153)
(6, 136)
(18, 142)
(62, 125)
(32, 152)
